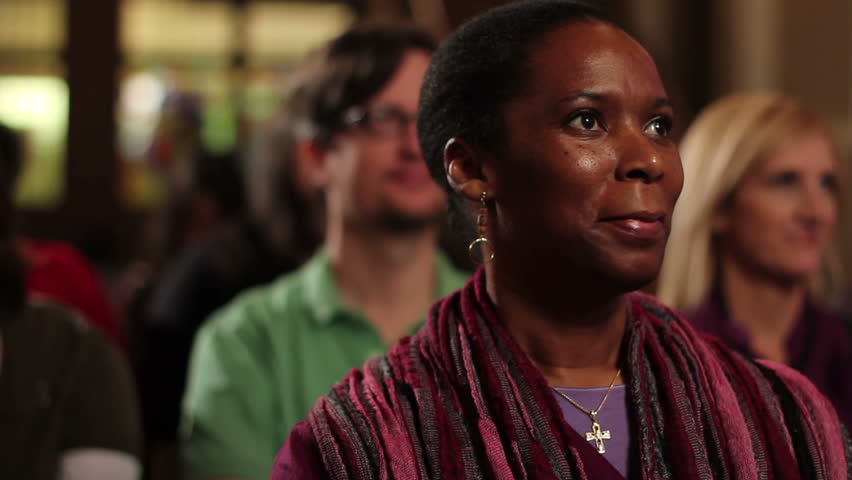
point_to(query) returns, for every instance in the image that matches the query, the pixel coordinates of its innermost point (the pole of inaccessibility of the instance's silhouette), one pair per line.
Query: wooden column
(92, 209)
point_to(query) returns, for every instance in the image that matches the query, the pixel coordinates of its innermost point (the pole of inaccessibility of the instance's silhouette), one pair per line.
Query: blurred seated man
(57, 271)
(68, 409)
(260, 363)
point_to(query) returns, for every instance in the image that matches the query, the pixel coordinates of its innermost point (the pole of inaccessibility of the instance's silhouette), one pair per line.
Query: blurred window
(34, 95)
(201, 74)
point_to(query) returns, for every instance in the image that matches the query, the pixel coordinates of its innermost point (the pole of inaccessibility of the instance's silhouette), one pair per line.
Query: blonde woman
(750, 255)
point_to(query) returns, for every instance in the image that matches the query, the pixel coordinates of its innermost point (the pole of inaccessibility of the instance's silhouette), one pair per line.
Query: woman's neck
(767, 310)
(572, 342)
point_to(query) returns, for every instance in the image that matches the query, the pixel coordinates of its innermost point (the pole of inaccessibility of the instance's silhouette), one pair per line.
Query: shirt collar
(322, 296)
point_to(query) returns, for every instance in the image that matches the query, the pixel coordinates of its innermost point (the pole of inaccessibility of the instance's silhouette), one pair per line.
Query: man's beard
(398, 222)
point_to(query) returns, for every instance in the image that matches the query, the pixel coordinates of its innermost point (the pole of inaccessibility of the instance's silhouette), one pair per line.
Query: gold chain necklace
(597, 434)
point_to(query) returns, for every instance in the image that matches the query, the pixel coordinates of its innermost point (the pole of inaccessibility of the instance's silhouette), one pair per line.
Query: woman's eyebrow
(583, 94)
(662, 102)
(602, 98)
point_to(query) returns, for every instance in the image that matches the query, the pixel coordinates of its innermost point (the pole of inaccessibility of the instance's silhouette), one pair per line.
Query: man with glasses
(260, 363)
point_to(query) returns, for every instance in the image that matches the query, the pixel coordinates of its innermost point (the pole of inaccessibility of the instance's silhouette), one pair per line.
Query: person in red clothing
(56, 271)
(61, 273)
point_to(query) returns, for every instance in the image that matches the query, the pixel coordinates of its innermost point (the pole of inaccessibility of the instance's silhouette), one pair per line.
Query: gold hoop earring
(481, 241)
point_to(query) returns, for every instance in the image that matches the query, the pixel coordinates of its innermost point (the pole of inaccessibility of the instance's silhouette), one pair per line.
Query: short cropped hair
(477, 70)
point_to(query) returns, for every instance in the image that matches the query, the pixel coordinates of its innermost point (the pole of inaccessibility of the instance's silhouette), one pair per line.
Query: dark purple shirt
(300, 458)
(612, 418)
(820, 346)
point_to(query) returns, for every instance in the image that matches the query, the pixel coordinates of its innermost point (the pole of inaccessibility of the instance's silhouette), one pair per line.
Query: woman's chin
(630, 277)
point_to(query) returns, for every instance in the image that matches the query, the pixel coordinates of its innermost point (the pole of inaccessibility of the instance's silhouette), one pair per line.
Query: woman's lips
(639, 228)
(641, 225)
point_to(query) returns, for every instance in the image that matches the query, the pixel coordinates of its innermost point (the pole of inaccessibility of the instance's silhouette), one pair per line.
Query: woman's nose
(640, 160)
(817, 205)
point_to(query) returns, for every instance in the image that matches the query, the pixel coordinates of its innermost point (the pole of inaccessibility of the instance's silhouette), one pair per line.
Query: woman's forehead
(805, 150)
(592, 56)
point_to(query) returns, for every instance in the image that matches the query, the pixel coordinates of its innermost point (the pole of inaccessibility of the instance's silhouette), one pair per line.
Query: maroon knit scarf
(460, 400)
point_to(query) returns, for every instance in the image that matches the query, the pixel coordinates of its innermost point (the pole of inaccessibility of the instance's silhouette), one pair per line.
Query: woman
(551, 124)
(750, 256)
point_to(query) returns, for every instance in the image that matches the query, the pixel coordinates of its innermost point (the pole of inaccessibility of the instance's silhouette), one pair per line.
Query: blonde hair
(723, 143)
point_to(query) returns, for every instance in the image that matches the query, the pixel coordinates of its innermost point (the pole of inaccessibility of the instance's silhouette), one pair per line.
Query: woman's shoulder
(814, 413)
(802, 389)
(300, 456)
(381, 378)
(833, 322)
(790, 376)
(649, 308)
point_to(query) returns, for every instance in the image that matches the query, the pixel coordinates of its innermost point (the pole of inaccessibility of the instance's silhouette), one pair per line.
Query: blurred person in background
(56, 270)
(210, 193)
(751, 257)
(177, 137)
(202, 191)
(68, 409)
(203, 188)
(260, 362)
(280, 230)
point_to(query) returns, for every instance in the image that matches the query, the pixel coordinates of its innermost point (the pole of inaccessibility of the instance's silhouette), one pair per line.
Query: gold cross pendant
(597, 435)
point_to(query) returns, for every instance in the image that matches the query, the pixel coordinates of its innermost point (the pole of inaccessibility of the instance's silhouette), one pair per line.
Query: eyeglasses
(380, 120)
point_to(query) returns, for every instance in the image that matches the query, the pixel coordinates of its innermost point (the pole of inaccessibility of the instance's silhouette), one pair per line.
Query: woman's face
(784, 211)
(588, 177)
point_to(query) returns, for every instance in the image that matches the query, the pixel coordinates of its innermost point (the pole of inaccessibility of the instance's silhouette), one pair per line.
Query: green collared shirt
(260, 363)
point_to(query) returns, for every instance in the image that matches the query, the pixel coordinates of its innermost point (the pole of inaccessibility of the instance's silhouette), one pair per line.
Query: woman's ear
(464, 168)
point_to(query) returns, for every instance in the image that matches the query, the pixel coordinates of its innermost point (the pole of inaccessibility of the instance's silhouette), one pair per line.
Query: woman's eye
(585, 121)
(785, 178)
(659, 127)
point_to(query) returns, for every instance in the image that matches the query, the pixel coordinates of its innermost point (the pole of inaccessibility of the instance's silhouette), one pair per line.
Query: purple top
(612, 418)
(300, 458)
(820, 346)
